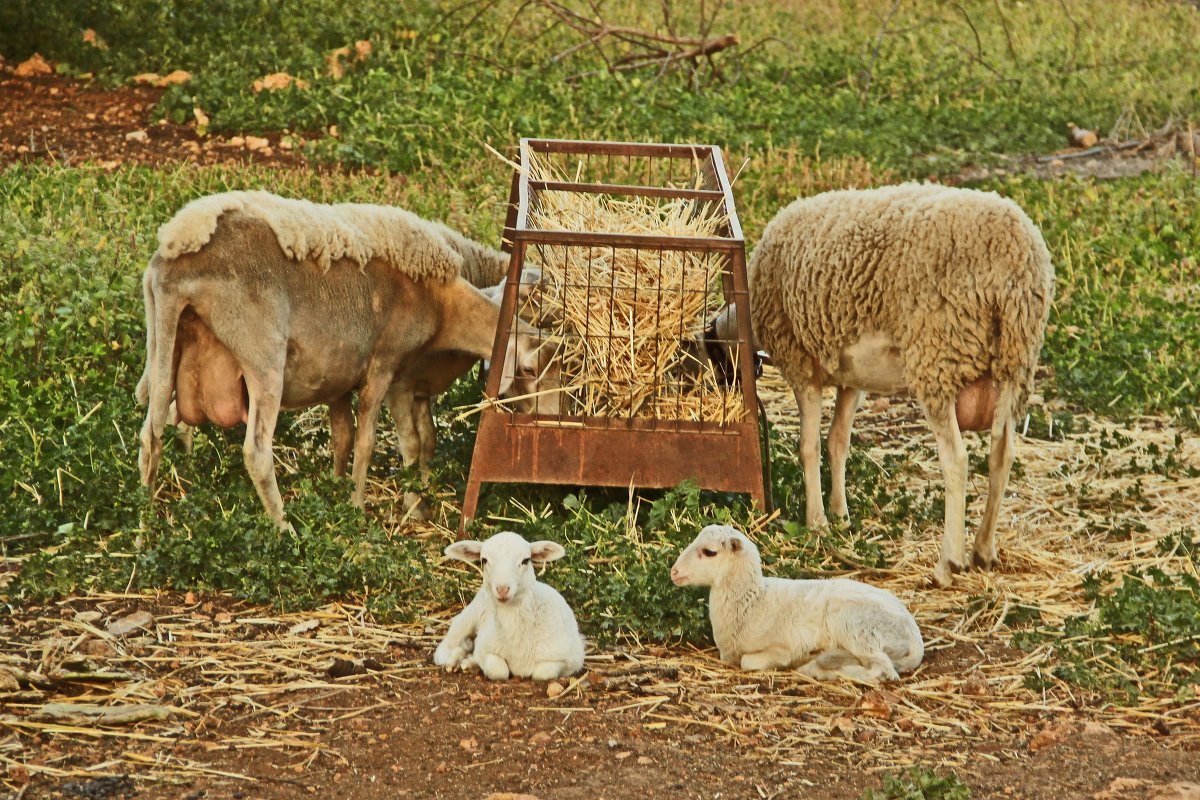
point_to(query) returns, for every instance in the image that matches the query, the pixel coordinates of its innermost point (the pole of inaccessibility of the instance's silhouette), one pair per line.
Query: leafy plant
(919, 783)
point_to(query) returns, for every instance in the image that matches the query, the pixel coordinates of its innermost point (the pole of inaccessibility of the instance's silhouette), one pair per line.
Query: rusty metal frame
(620, 451)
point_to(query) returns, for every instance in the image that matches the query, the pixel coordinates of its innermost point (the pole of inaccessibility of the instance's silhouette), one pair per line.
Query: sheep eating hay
(824, 628)
(250, 310)
(515, 625)
(941, 291)
(623, 315)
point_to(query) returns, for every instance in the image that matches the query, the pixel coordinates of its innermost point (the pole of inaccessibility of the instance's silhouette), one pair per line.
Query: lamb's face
(709, 556)
(507, 561)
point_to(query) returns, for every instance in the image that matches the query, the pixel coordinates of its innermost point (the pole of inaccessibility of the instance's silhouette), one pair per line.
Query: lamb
(256, 303)
(939, 291)
(515, 625)
(824, 628)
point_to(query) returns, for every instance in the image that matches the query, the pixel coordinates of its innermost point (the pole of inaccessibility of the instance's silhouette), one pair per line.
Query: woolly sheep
(256, 303)
(515, 625)
(939, 291)
(824, 628)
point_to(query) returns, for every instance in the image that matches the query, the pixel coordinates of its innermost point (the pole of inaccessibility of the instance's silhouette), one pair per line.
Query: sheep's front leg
(839, 447)
(952, 452)
(808, 398)
(494, 667)
(459, 640)
(370, 401)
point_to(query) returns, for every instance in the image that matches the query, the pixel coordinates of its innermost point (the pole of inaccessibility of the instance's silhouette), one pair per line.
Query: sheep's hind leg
(341, 433)
(808, 398)
(848, 399)
(402, 404)
(1000, 462)
(766, 659)
(494, 667)
(264, 391)
(952, 452)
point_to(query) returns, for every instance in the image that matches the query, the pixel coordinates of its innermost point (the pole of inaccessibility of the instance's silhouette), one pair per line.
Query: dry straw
(626, 317)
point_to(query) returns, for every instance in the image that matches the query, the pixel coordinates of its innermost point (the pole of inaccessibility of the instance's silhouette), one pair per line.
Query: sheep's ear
(546, 551)
(735, 544)
(466, 550)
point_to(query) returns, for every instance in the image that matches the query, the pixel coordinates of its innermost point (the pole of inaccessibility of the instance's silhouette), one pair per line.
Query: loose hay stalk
(623, 315)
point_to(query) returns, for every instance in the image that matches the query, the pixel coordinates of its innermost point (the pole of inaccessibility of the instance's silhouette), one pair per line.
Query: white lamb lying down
(825, 628)
(519, 626)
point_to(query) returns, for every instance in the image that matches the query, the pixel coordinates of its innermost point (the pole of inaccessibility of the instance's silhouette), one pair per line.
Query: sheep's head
(507, 561)
(531, 365)
(714, 551)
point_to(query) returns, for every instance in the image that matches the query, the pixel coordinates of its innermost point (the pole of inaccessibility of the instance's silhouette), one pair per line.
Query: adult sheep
(255, 303)
(939, 291)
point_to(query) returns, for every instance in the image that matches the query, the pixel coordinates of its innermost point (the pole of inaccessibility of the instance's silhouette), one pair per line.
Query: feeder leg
(470, 502)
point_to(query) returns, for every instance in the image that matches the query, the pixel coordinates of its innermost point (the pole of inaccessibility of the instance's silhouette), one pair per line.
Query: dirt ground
(260, 705)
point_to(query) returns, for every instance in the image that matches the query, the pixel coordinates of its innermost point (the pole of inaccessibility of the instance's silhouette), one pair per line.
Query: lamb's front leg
(494, 667)
(549, 670)
(455, 648)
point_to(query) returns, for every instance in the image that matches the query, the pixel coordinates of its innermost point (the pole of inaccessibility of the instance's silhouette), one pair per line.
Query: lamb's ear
(466, 550)
(546, 551)
(735, 543)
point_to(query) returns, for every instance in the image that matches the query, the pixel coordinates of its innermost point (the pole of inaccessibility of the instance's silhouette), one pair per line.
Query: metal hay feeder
(608, 426)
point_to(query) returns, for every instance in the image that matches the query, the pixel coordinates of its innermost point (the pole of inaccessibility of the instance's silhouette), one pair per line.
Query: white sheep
(515, 625)
(939, 291)
(256, 303)
(824, 628)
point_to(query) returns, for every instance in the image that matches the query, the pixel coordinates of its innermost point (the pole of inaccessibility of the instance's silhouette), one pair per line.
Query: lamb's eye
(483, 561)
(526, 562)
(708, 553)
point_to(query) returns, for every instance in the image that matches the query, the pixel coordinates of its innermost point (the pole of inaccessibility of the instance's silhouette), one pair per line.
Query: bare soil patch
(67, 121)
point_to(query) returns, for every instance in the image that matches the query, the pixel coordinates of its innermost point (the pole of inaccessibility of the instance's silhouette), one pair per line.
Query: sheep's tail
(142, 393)
(162, 323)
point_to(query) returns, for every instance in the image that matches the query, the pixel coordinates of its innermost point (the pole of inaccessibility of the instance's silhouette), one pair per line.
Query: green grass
(919, 783)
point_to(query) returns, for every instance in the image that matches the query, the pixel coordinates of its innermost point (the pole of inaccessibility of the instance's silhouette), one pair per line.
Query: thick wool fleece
(325, 233)
(960, 280)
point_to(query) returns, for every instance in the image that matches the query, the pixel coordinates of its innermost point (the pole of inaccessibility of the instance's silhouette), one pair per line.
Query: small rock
(192, 147)
(190, 597)
(223, 618)
(34, 65)
(1091, 728)
(256, 143)
(138, 619)
(98, 648)
(1120, 788)
(236, 141)
(1081, 137)
(88, 617)
(554, 689)
(151, 78)
(509, 796)
(342, 667)
(305, 626)
(8, 681)
(540, 739)
(276, 81)
(178, 76)
(842, 726)
(865, 735)
(623, 755)
(645, 761)
(469, 744)
(975, 685)
(877, 704)
(137, 136)
(1050, 736)
(441, 768)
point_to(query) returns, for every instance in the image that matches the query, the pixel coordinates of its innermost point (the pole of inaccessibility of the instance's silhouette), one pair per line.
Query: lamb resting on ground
(256, 303)
(824, 628)
(942, 292)
(515, 625)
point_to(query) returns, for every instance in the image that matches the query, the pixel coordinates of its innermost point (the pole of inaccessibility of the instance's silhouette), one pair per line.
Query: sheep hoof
(943, 574)
(984, 561)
